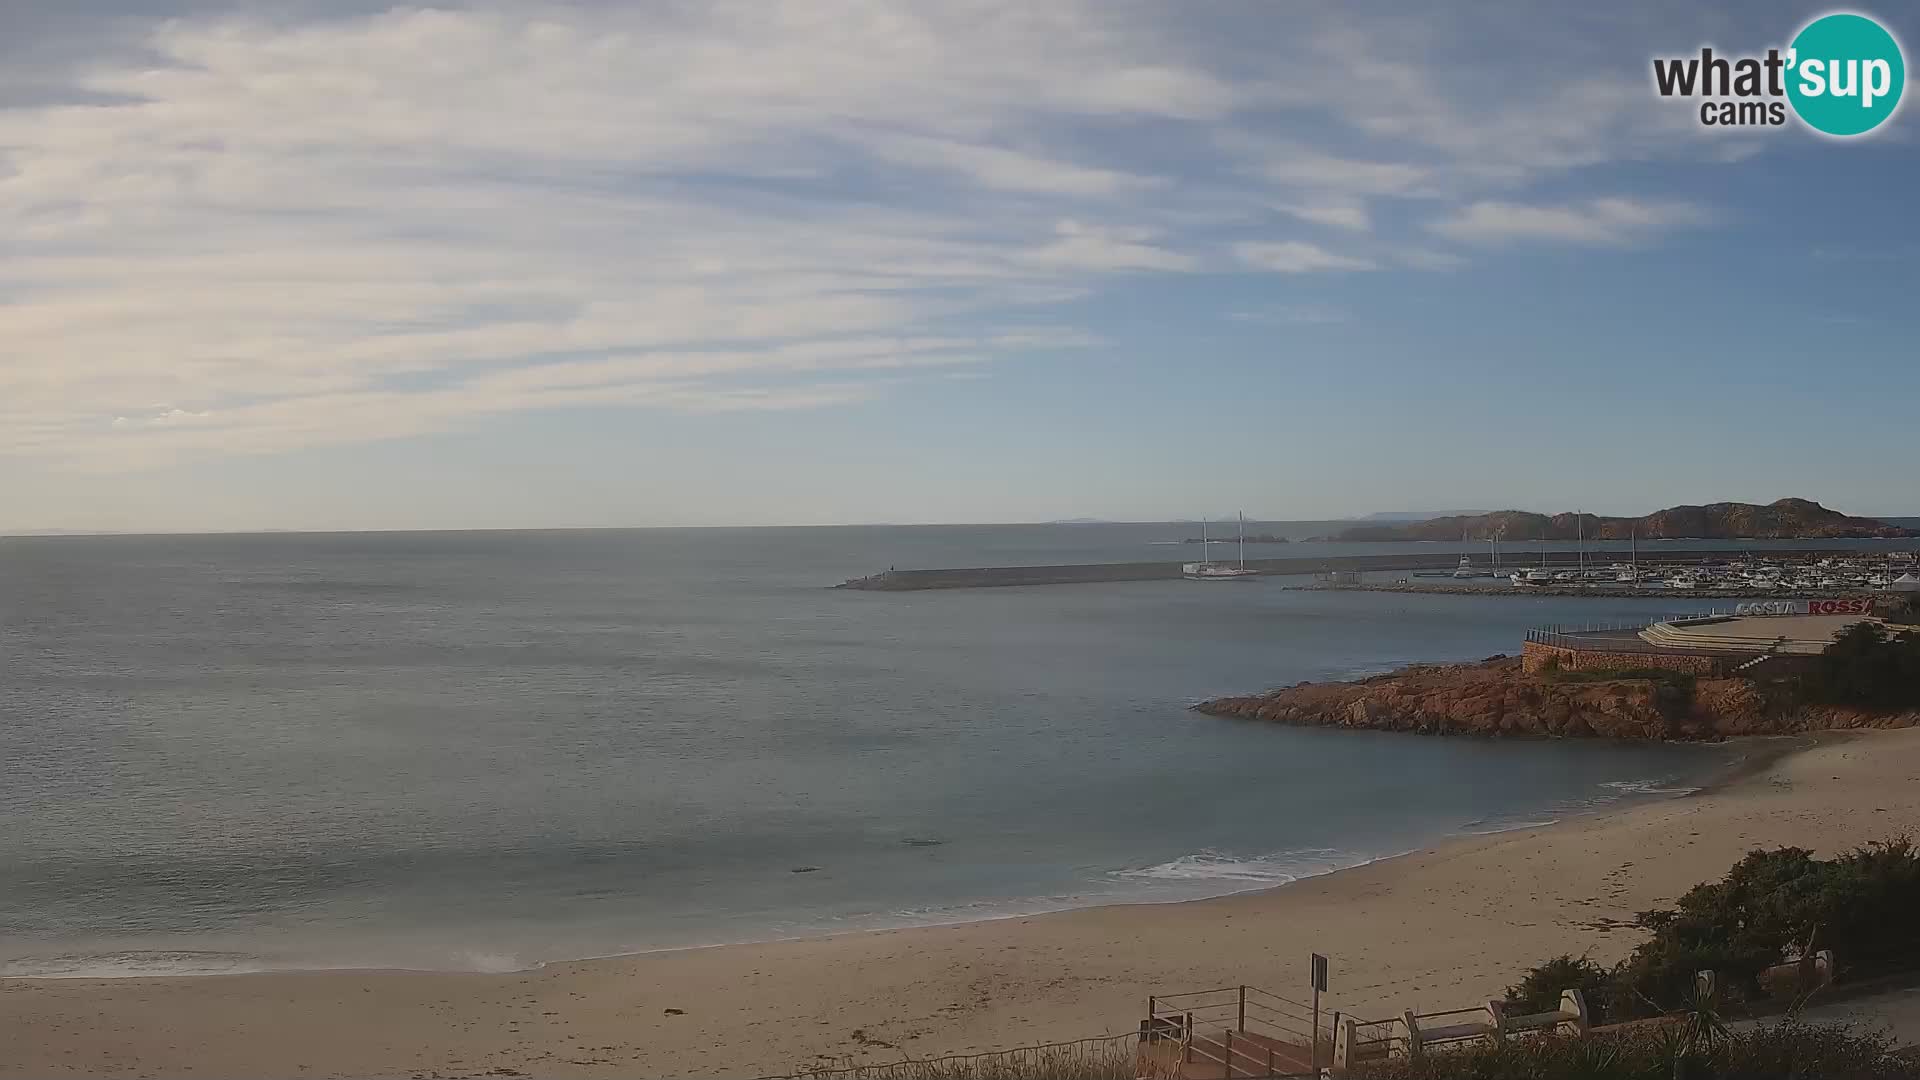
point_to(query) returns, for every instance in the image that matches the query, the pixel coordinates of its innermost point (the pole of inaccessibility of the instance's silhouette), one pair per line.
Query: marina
(1714, 571)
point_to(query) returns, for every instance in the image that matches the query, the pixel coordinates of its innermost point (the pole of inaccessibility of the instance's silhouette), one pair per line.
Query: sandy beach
(1438, 928)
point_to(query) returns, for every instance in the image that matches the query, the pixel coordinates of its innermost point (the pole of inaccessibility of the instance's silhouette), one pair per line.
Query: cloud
(1416, 258)
(1291, 166)
(1350, 215)
(1007, 170)
(1609, 222)
(335, 224)
(1102, 247)
(1297, 257)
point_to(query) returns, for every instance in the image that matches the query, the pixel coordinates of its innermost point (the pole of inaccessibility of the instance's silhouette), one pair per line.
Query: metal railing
(1356, 1041)
(1584, 635)
(1246, 1031)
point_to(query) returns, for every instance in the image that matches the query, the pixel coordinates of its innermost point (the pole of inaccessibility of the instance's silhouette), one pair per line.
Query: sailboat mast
(1243, 539)
(1206, 545)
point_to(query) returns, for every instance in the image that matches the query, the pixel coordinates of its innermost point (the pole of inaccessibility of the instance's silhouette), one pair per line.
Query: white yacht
(1208, 570)
(1465, 569)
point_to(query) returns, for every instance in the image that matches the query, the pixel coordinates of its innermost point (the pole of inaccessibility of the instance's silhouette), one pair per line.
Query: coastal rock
(1495, 697)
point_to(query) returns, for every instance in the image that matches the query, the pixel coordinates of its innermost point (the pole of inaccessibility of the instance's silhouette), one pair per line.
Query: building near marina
(1779, 633)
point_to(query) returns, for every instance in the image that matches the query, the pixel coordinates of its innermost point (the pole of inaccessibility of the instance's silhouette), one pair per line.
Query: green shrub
(1771, 906)
(1539, 991)
(1868, 667)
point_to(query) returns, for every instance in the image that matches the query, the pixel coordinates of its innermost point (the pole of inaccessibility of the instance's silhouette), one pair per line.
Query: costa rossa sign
(1839, 607)
(1804, 607)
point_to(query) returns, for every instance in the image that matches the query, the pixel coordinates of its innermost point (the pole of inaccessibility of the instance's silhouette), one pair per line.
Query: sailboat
(1630, 575)
(1540, 575)
(1465, 569)
(1208, 570)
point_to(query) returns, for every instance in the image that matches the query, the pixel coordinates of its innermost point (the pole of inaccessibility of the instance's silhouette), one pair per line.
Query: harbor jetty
(1299, 566)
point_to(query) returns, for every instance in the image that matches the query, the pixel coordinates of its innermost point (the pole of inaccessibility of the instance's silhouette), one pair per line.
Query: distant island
(1787, 519)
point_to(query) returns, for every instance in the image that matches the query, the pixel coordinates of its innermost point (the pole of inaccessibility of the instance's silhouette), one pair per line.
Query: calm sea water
(490, 750)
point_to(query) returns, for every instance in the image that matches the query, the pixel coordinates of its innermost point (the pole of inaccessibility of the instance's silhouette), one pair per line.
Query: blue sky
(520, 265)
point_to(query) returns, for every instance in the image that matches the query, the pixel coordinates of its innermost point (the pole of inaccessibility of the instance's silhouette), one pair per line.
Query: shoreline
(1437, 927)
(1771, 748)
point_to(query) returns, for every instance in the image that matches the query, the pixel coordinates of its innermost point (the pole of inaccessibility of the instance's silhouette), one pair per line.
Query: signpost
(1319, 984)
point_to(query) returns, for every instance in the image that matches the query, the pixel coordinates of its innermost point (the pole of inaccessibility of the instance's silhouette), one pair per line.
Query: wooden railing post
(1242, 1025)
(1228, 1042)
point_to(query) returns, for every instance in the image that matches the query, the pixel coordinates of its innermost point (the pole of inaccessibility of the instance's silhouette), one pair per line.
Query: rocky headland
(1495, 697)
(1785, 519)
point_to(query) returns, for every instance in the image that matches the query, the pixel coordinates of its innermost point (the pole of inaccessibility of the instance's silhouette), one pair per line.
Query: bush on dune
(1868, 667)
(1774, 906)
(1539, 991)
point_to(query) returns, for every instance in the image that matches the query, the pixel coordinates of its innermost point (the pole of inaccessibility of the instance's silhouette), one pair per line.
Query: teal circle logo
(1845, 74)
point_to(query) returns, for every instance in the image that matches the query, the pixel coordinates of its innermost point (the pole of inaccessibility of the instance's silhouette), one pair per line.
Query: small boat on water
(1208, 570)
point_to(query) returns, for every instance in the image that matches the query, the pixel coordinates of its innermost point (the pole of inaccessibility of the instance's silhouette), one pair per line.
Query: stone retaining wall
(1535, 656)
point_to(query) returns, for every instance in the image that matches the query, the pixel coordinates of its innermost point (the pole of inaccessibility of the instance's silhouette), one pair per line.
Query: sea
(487, 751)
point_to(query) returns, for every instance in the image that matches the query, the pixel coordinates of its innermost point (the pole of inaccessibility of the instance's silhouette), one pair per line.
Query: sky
(351, 266)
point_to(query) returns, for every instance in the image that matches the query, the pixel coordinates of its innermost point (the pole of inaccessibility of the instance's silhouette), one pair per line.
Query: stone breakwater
(1496, 697)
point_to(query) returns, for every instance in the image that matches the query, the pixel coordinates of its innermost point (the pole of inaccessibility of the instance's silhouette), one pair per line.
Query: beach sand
(1436, 929)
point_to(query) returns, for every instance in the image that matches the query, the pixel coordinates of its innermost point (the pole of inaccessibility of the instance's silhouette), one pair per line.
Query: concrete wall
(1534, 656)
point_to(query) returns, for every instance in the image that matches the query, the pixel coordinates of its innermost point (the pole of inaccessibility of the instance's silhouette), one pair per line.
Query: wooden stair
(1252, 1055)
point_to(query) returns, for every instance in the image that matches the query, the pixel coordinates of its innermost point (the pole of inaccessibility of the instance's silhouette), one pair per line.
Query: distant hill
(1418, 515)
(1788, 519)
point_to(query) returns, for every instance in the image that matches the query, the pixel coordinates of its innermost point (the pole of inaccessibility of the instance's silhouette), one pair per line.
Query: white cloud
(1297, 257)
(1293, 166)
(323, 228)
(1608, 222)
(1004, 169)
(1336, 215)
(1416, 258)
(1099, 247)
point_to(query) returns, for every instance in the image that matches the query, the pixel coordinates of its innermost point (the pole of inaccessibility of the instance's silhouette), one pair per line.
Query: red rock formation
(1495, 697)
